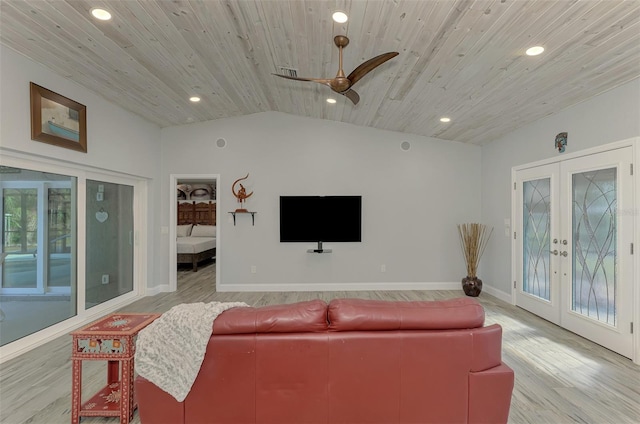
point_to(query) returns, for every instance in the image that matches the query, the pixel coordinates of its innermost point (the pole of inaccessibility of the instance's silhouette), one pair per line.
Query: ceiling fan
(341, 84)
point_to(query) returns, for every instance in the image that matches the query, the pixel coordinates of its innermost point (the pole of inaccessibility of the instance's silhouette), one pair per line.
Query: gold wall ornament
(241, 194)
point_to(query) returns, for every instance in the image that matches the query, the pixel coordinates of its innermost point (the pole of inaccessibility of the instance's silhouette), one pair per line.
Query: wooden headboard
(196, 213)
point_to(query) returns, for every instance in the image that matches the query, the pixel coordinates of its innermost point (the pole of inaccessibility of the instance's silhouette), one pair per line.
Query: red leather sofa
(351, 361)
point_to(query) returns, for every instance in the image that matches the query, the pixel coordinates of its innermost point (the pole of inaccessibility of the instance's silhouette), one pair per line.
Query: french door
(574, 244)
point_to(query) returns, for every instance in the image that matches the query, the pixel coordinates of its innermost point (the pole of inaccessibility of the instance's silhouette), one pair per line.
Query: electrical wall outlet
(105, 278)
(383, 268)
(253, 269)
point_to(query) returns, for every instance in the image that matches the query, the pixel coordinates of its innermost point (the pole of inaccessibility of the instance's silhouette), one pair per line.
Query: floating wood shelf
(253, 219)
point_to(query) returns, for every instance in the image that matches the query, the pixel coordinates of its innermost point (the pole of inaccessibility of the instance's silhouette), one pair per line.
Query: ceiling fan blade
(324, 81)
(351, 95)
(369, 66)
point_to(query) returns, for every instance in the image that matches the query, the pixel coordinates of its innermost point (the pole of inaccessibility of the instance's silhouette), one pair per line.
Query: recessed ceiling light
(332, 101)
(101, 14)
(194, 99)
(340, 17)
(445, 119)
(534, 51)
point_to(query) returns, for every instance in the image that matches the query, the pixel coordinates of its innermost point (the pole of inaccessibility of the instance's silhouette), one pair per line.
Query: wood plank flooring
(560, 377)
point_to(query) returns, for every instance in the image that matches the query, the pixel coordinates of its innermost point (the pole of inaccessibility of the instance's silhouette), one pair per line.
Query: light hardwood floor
(560, 377)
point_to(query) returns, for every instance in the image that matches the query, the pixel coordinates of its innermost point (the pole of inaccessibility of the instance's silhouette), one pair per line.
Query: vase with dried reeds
(474, 238)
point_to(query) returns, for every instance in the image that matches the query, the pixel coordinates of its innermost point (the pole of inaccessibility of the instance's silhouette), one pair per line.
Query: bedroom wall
(117, 141)
(609, 117)
(412, 200)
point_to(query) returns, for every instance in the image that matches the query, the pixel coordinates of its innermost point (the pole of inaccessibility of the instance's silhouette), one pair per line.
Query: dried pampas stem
(474, 238)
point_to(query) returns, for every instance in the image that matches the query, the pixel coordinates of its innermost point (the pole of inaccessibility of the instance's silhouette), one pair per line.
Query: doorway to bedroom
(193, 230)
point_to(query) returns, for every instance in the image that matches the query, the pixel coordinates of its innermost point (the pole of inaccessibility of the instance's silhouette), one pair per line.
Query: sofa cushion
(360, 314)
(302, 317)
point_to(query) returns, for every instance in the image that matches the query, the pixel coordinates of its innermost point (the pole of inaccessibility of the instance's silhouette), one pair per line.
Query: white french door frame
(633, 211)
(548, 309)
(574, 320)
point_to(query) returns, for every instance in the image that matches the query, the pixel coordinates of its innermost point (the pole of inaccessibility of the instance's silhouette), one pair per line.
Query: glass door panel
(594, 245)
(536, 240)
(60, 227)
(109, 269)
(38, 284)
(20, 238)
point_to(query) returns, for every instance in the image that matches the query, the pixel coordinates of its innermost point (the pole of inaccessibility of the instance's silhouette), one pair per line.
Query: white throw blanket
(170, 350)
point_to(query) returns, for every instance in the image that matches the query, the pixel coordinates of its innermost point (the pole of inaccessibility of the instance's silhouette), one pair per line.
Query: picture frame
(57, 120)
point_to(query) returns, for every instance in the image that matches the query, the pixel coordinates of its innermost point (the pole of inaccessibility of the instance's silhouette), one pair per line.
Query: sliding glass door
(109, 269)
(68, 246)
(37, 278)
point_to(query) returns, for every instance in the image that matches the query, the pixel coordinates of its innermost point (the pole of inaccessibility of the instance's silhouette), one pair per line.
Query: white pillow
(203, 231)
(183, 230)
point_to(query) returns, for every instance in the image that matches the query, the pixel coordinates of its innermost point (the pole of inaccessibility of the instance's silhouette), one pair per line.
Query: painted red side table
(111, 339)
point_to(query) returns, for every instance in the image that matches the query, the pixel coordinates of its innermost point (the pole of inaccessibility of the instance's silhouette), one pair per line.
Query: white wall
(609, 117)
(412, 200)
(117, 140)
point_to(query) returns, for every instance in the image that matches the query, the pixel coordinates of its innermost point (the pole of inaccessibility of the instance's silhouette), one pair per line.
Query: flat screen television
(320, 219)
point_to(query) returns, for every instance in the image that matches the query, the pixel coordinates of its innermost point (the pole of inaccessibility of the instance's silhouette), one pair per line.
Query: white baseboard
(505, 297)
(336, 287)
(152, 291)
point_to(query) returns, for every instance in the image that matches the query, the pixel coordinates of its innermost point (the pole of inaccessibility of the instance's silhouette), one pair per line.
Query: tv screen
(320, 218)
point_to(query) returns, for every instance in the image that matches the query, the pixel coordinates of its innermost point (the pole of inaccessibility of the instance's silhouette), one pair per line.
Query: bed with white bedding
(195, 243)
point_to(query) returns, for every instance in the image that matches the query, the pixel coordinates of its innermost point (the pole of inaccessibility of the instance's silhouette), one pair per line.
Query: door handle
(564, 253)
(554, 252)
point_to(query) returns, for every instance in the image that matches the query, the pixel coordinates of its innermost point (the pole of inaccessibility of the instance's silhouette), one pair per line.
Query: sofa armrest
(490, 395)
(156, 406)
(487, 348)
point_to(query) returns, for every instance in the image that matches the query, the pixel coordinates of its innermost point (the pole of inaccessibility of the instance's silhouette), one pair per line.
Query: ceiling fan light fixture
(445, 119)
(194, 99)
(100, 14)
(534, 51)
(331, 101)
(340, 17)
(342, 84)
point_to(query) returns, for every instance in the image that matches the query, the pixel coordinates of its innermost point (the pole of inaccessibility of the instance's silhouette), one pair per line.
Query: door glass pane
(60, 226)
(594, 245)
(38, 251)
(109, 271)
(536, 243)
(20, 238)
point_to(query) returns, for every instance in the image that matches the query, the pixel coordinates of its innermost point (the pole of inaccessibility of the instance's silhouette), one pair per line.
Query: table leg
(126, 391)
(76, 390)
(113, 372)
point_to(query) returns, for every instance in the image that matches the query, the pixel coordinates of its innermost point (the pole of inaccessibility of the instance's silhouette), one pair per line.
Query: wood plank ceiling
(458, 58)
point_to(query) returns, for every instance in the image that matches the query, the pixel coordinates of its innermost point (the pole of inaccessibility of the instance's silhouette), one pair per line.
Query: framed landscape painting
(57, 120)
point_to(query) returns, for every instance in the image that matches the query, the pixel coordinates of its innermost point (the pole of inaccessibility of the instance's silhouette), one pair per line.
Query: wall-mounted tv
(320, 219)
